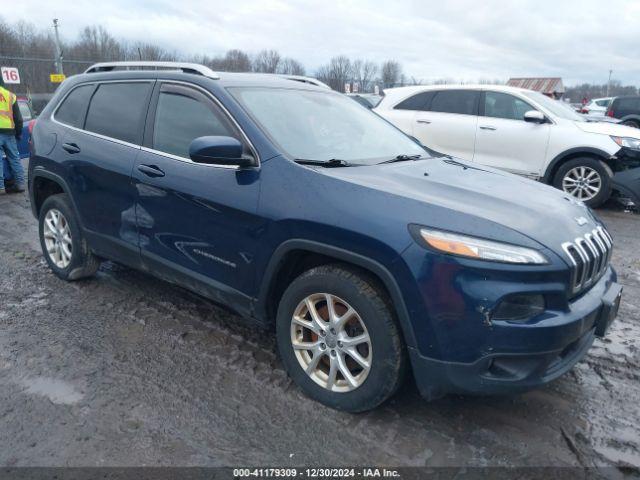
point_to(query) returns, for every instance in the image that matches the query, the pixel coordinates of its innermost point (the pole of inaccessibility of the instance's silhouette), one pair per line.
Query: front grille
(589, 256)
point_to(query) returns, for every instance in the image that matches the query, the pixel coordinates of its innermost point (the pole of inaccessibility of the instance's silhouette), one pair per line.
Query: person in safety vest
(10, 133)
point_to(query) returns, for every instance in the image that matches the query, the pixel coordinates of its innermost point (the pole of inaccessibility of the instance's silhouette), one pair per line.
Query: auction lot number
(315, 473)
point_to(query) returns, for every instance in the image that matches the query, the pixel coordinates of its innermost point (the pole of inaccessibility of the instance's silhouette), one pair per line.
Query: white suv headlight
(628, 142)
(472, 247)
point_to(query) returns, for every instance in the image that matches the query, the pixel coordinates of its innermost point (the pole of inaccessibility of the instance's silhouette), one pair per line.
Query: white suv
(597, 106)
(517, 130)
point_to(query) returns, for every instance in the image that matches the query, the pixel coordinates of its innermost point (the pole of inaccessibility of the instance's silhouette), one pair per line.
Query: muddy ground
(126, 370)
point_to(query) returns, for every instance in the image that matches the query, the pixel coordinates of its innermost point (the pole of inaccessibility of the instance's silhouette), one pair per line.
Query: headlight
(628, 142)
(473, 247)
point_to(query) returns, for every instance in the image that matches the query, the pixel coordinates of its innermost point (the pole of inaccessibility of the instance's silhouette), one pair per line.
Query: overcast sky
(457, 39)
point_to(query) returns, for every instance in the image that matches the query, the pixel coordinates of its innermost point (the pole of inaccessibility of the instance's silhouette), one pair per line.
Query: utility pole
(58, 48)
(609, 82)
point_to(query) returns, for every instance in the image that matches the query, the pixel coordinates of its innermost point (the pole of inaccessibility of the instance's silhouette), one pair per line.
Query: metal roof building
(551, 86)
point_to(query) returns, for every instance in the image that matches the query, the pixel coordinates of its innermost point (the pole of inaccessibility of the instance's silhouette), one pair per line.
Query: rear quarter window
(463, 102)
(72, 109)
(117, 110)
(627, 104)
(419, 101)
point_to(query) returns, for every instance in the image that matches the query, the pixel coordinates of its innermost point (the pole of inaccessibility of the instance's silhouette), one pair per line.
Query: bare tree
(364, 73)
(291, 66)
(267, 61)
(336, 73)
(390, 73)
(236, 61)
(97, 44)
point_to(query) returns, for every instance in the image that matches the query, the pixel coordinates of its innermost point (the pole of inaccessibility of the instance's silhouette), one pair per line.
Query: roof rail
(303, 79)
(182, 66)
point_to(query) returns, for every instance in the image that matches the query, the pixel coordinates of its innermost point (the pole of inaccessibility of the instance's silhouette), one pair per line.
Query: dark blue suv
(298, 208)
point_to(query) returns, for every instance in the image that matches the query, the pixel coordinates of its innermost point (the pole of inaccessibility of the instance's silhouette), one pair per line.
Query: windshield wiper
(451, 161)
(403, 158)
(464, 166)
(332, 163)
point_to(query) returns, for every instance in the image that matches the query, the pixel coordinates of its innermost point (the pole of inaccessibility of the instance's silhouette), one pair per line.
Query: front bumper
(626, 179)
(556, 345)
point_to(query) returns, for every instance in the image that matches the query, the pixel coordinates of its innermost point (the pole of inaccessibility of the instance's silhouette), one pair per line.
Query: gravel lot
(126, 370)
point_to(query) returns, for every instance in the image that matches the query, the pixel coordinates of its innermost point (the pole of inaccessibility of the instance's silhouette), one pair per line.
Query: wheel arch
(43, 184)
(294, 256)
(633, 117)
(570, 154)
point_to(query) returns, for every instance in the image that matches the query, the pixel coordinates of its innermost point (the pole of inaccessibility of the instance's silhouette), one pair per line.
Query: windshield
(322, 125)
(554, 106)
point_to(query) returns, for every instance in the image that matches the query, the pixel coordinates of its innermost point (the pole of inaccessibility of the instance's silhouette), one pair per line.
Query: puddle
(58, 391)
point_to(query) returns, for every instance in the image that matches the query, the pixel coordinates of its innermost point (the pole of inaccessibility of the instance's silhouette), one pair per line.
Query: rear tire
(371, 317)
(631, 123)
(586, 179)
(63, 245)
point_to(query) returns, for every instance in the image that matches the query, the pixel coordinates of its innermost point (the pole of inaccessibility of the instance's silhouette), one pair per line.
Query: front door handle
(423, 121)
(71, 147)
(487, 127)
(151, 170)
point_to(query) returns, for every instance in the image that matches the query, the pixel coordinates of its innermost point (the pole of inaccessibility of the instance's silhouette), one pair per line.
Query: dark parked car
(297, 208)
(626, 110)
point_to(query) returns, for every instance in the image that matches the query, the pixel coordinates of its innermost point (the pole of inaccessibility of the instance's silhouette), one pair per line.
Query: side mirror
(219, 151)
(534, 116)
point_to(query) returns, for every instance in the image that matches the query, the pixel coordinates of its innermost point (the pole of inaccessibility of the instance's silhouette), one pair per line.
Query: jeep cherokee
(296, 207)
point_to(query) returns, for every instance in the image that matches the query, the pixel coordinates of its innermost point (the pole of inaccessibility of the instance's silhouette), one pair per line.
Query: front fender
(572, 152)
(340, 254)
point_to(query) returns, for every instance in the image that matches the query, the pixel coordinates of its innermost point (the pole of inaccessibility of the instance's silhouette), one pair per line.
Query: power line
(49, 60)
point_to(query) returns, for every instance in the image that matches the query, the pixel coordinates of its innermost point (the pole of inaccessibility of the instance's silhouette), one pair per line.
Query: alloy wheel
(584, 183)
(57, 238)
(331, 342)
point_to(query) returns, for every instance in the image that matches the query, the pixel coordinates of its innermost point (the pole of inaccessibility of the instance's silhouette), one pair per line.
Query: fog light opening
(519, 308)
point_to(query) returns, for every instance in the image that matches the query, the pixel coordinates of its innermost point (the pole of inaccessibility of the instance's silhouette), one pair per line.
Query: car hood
(608, 128)
(543, 214)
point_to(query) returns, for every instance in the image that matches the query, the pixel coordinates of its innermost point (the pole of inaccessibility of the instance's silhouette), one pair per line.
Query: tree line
(588, 90)
(32, 51)
(96, 44)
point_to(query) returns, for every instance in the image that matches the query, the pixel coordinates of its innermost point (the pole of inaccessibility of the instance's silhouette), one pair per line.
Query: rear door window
(420, 101)
(463, 102)
(117, 110)
(73, 108)
(184, 114)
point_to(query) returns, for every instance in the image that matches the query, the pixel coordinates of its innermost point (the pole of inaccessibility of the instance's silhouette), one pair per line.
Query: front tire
(338, 338)
(63, 244)
(586, 179)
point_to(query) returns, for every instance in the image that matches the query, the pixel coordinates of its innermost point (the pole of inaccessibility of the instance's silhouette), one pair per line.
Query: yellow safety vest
(7, 99)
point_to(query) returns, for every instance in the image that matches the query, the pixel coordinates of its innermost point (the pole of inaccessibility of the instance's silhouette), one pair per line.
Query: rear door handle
(423, 121)
(151, 170)
(487, 127)
(71, 147)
